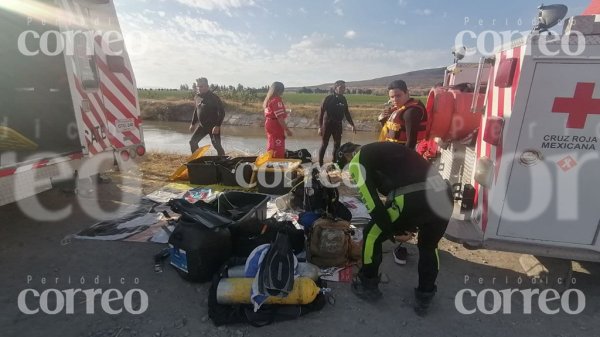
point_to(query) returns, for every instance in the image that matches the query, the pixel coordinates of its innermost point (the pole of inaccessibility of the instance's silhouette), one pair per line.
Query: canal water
(174, 137)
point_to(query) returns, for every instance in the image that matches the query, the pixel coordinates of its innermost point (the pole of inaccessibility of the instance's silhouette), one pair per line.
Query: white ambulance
(68, 98)
(520, 141)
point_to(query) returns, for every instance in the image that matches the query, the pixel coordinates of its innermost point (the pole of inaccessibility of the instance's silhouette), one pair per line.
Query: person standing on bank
(275, 115)
(405, 122)
(208, 115)
(418, 199)
(333, 111)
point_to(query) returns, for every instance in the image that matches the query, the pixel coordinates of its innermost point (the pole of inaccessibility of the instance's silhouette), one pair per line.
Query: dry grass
(154, 169)
(160, 165)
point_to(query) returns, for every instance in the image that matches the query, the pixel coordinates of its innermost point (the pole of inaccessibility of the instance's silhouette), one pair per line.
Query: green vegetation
(291, 98)
(240, 94)
(161, 104)
(353, 99)
(165, 94)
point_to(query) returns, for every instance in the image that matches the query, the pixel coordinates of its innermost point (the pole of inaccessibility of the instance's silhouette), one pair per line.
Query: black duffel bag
(249, 234)
(302, 154)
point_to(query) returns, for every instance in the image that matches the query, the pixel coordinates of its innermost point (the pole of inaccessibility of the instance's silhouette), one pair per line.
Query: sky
(303, 43)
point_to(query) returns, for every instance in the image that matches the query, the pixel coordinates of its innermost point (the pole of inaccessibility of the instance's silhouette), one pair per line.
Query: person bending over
(418, 200)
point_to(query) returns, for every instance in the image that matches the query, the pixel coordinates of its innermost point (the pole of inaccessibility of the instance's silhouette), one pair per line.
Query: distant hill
(418, 81)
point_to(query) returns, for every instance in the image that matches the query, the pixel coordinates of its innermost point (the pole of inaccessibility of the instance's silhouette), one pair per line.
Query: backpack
(330, 243)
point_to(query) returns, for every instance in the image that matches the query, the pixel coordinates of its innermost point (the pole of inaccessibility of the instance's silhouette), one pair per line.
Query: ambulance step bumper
(465, 233)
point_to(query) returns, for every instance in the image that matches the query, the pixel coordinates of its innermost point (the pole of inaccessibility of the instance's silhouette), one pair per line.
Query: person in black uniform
(209, 114)
(333, 110)
(418, 199)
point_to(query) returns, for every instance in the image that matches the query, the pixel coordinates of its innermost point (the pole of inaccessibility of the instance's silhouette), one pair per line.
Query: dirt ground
(33, 255)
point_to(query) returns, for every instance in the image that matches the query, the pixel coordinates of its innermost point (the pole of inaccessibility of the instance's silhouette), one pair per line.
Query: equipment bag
(330, 243)
(249, 234)
(316, 197)
(197, 251)
(302, 154)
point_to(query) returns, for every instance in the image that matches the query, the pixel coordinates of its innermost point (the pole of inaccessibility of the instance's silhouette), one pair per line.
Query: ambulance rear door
(553, 190)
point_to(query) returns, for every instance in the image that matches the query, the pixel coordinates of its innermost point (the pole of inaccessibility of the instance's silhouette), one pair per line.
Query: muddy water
(174, 137)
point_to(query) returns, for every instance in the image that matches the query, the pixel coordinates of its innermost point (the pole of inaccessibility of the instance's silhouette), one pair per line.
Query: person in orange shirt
(275, 115)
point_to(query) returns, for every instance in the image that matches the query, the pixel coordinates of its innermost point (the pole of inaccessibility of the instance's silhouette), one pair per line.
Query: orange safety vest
(394, 129)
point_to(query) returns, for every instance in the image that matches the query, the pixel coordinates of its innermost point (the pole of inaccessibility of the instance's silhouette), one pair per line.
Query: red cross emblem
(567, 163)
(579, 106)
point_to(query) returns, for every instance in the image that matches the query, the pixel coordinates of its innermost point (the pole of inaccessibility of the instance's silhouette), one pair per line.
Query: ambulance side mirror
(549, 16)
(459, 53)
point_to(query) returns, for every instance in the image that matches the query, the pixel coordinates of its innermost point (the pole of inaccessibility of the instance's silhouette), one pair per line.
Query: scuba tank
(304, 269)
(237, 291)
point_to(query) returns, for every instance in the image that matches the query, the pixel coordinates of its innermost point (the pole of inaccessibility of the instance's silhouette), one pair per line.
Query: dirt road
(33, 256)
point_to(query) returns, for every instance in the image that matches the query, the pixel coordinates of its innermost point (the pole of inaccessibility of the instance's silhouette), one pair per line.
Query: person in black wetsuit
(208, 115)
(418, 199)
(333, 111)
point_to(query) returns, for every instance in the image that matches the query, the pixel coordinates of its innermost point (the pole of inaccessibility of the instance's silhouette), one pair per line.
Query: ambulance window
(506, 73)
(86, 64)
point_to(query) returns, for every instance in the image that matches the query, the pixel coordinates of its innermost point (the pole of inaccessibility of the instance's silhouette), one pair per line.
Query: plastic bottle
(283, 202)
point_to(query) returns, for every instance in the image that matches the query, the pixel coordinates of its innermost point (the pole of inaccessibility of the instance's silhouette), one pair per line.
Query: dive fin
(276, 273)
